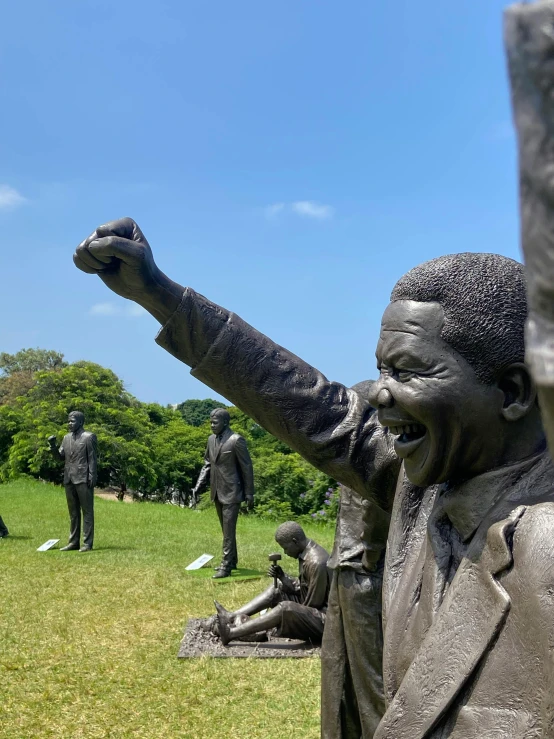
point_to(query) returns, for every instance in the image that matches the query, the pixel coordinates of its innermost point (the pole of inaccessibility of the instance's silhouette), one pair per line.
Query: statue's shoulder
(533, 542)
(319, 554)
(537, 520)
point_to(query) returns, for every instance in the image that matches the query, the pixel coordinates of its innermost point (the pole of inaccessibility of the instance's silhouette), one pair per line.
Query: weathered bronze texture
(529, 39)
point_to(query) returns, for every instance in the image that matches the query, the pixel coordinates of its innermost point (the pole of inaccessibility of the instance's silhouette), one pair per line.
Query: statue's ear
(520, 394)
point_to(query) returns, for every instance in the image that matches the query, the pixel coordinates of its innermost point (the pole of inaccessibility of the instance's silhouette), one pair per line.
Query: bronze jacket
(227, 468)
(474, 658)
(80, 457)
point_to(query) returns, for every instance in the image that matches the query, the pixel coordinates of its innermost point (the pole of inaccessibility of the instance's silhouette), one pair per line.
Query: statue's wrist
(161, 297)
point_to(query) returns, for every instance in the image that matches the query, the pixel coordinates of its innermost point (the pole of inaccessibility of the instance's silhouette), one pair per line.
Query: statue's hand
(52, 440)
(250, 502)
(275, 571)
(120, 255)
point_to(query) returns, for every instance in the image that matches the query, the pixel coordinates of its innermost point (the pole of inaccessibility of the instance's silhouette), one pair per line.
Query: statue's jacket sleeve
(330, 425)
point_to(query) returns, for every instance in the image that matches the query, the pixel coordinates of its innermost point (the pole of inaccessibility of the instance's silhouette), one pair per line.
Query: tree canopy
(145, 447)
(196, 412)
(18, 371)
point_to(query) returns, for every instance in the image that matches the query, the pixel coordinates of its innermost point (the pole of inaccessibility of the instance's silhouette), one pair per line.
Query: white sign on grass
(48, 545)
(200, 562)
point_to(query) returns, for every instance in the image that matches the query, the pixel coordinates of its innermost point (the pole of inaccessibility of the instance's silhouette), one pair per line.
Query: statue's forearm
(322, 420)
(162, 297)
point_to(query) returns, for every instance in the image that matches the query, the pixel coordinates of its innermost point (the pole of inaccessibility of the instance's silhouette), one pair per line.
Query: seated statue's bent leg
(301, 622)
(268, 599)
(268, 621)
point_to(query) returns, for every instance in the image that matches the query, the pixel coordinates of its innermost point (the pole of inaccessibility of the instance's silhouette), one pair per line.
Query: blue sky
(289, 160)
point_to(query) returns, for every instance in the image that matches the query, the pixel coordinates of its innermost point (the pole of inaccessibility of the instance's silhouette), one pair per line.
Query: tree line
(152, 450)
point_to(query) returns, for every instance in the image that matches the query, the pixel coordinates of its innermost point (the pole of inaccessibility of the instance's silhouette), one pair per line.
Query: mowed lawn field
(89, 642)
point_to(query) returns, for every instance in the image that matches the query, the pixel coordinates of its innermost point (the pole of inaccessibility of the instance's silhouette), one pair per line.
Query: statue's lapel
(218, 445)
(215, 447)
(471, 615)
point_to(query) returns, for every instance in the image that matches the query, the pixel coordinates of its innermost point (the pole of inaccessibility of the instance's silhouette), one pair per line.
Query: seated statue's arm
(329, 425)
(204, 476)
(291, 585)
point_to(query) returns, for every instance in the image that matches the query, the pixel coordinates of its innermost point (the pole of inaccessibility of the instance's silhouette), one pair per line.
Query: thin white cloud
(303, 208)
(10, 198)
(111, 309)
(312, 209)
(272, 211)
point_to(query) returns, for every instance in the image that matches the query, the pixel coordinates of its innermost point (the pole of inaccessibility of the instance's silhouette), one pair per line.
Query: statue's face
(445, 420)
(217, 423)
(74, 422)
(291, 548)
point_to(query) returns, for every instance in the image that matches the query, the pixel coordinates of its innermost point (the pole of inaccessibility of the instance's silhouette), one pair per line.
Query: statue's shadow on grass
(17, 537)
(235, 576)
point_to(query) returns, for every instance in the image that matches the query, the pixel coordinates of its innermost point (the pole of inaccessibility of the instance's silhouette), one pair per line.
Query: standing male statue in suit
(79, 453)
(228, 470)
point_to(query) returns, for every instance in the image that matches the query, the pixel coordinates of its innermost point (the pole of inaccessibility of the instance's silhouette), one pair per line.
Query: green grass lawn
(88, 642)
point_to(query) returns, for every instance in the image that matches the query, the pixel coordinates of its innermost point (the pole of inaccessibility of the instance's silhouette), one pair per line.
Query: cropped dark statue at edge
(228, 471)
(529, 40)
(352, 695)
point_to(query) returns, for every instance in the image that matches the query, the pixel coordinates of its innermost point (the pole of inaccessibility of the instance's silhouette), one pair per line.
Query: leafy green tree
(116, 417)
(15, 385)
(196, 412)
(160, 415)
(290, 479)
(31, 360)
(10, 423)
(18, 371)
(150, 449)
(178, 451)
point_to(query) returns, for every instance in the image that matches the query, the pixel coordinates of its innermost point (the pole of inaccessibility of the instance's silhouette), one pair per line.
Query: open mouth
(409, 437)
(408, 432)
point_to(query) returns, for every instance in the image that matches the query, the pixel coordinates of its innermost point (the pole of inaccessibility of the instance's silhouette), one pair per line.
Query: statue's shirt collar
(467, 503)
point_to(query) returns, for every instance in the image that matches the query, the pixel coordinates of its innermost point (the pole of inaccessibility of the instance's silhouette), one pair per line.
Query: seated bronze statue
(297, 605)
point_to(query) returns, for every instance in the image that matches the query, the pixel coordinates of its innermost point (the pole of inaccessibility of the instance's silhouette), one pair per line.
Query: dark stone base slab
(197, 643)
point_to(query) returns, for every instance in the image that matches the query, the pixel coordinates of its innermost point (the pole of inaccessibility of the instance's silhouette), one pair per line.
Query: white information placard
(47, 545)
(200, 562)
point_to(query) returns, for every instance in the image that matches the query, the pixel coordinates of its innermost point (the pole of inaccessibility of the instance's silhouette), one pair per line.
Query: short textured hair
(223, 413)
(288, 531)
(484, 300)
(78, 414)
